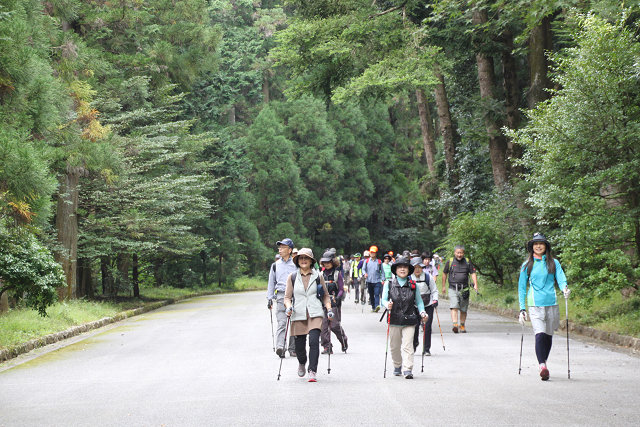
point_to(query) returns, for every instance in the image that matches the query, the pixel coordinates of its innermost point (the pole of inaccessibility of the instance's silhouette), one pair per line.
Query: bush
(28, 270)
(493, 239)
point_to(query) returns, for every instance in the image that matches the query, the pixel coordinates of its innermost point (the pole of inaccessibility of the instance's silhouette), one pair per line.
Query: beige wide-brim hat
(307, 252)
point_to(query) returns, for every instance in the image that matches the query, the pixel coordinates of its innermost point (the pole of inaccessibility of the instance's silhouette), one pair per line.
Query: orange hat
(390, 253)
(373, 249)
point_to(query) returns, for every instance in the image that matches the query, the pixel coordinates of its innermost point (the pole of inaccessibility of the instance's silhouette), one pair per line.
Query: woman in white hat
(305, 296)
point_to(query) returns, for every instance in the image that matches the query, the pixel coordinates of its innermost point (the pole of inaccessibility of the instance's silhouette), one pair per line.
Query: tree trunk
(203, 257)
(122, 281)
(85, 285)
(107, 277)
(497, 141)
(426, 127)
(512, 98)
(67, 226)
(4, 300)
(449, 135)
(135, 276)
(539, 43)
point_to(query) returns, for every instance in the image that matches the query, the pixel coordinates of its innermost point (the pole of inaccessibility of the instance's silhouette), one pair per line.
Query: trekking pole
(344, 349)
(424, 336)
(438, 317)
(566, 313)
(284, 344)
(521, 341)
(330, 347)
(386, 351)
(273, 339)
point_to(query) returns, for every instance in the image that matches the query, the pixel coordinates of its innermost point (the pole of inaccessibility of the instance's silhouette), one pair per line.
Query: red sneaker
(544, 373)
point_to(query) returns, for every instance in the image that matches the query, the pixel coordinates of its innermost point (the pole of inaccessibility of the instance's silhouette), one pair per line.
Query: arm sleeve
(326, 301)
(419, 303)
(445, 269)
(434, 288)
(340, 286)
(288, 292)
(522, 287)
(560, 277)
(385, 294)
(271, 284)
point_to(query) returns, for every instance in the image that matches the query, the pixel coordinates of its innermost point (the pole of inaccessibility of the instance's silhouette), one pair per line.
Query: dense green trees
(173, 142)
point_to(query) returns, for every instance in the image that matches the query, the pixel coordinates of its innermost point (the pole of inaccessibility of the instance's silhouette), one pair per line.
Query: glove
(269, 304)
(566, 292)
(289, 311)
(523, 317)
(435, 303)
(330, 314)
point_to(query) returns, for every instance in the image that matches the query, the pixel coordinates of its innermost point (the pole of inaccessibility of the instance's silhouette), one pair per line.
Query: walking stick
(424, 336)
(330, 347)
(438, 317)
(566, 313)
(284, 344)
(344, 348)
(273, 339)
(386, 351)
(521, 341)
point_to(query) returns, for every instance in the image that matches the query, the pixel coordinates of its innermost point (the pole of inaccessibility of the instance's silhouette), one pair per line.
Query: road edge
(19, 349)
(616, 339)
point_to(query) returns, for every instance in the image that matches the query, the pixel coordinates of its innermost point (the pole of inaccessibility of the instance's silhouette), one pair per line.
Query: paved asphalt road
(209, 361)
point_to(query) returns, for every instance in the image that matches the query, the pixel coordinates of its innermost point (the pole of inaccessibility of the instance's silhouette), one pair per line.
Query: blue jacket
(542, 292)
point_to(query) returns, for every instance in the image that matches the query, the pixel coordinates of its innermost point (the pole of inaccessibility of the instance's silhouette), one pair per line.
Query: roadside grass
(612, 314)
(20, 324)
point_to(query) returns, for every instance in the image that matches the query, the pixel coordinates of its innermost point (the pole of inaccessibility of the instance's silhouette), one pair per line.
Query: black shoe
(345, 346)
(427, 353)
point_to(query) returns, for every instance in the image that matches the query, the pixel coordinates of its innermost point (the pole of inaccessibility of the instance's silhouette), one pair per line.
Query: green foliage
(582, 150)
(27, 269)
(493, 240)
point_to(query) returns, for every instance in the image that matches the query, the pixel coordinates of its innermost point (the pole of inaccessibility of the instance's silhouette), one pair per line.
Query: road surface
(209, 361)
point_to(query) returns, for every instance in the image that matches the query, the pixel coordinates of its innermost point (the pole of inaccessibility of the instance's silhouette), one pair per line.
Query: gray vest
(306, 300)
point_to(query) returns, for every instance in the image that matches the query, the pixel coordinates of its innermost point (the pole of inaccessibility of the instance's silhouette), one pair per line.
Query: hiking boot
(455, 328)
(292, 353)
(312, 377)
(301, 370)
(427, 353)
(397, 371)
(463, 330)
(363, 302)
(327, 350)
(408, 375)
(280, 352)
(345, 346)
(377, 309)
(357, 301)
(544, 372)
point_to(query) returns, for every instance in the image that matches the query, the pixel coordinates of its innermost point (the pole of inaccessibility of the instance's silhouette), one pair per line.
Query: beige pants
(401, 343)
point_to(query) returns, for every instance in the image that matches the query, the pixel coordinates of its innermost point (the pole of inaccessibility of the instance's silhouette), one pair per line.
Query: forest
(173, 142)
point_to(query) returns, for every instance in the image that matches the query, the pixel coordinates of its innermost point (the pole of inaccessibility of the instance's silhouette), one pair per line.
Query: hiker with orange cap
(374, 276)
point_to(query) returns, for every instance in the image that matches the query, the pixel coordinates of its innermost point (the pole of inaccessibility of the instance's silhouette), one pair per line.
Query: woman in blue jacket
(540, 272)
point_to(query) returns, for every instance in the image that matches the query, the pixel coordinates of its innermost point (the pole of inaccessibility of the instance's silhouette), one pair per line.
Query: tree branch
(388, 10)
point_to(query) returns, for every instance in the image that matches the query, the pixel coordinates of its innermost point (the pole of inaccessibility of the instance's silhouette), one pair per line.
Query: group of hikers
(308, 295)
